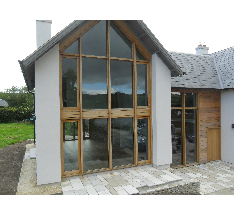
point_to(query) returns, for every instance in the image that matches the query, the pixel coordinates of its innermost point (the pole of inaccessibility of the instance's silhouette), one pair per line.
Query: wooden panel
(70, 114)
(143, 112)
(121, 113)
(89, 114)
(209, 117)
(213, 144)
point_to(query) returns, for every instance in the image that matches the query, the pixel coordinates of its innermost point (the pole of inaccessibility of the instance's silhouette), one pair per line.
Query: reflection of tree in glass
(69, 88)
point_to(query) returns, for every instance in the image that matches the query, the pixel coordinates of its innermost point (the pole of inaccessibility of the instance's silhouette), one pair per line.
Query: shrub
(9, 114)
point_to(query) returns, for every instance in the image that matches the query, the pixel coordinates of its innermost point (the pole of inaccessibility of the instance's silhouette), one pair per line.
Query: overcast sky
(178, 25)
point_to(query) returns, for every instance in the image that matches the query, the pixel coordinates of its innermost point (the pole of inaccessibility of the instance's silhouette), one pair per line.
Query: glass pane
(95, 144)
(69, 82)
(142, 132)
(70, 146)
(122, 141)
(120, 46)
(139, 56)
(74, 48)
(176, 136)
(94, 83)
(121, 84)
(142, 98)
(176, 99)
(191, 135)
(94, 41)
(190, 100)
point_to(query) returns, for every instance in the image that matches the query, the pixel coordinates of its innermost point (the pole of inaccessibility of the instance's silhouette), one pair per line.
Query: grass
(11, 133)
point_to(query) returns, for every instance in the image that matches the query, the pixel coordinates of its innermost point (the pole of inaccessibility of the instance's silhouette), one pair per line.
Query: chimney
(43, 31)
(202, 49)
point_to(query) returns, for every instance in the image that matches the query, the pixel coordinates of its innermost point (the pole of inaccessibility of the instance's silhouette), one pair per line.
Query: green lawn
(15, 132)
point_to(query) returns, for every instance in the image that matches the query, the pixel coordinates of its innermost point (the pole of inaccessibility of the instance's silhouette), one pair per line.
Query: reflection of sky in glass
(141, 79)
(98, 88)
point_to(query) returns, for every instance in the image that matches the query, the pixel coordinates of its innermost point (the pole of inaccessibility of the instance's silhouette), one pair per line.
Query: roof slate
(225, 66)
(200, 71)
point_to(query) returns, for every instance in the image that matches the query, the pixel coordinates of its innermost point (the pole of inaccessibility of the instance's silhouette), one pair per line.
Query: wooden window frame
(183, 108)
(69, 114)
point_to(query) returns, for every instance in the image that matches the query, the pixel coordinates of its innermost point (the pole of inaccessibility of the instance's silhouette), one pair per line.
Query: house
(102, 98)
(3, 103)
(202, 107)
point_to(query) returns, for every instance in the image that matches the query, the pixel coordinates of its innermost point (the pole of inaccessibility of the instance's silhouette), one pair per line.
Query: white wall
(227, 132)
(43, 31)
(161, 114)
(48, 117)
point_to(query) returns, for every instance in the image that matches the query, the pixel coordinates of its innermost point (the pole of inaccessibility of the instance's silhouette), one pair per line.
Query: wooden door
(213, 144)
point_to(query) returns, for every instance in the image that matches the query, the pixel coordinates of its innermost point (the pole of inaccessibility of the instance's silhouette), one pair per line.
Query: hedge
(9, 114)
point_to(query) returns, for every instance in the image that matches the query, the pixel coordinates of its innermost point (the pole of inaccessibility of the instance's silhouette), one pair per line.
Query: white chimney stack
(43, 31)
(202, 49)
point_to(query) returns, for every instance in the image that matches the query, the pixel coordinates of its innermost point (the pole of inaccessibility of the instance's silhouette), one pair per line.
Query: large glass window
(122, 141)
(70, 146)
(95, 144)
(94, 83)
(121, 47)
(121, 84)
(98, 96)
(142, 97)
(69, 82)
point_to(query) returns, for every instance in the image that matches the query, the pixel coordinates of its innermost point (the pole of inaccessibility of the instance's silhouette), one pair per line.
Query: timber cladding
(209, 117)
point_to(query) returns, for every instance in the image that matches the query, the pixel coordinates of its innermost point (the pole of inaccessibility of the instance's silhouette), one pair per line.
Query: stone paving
(213, 176)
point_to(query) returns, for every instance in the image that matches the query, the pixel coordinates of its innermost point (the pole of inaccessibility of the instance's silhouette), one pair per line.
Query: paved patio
(213, 176)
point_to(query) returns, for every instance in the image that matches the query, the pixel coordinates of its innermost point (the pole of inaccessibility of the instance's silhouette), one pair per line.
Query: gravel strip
(27, 183)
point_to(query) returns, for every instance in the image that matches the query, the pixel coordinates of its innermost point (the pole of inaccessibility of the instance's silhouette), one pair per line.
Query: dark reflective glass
(139, 56)
(142, 132)
(176, 99)
(70, 146)
(94, 83)
(190, 100)
(122, 141)
(74, 48)
(142, 96)
(95, 144)
(121, 84)
(120, 46)
(94, 41)
(191, 135)
(69, 82)
(176, 136)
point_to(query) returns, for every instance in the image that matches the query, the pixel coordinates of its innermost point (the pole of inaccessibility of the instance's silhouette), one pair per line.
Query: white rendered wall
(48, 117)
(161, 113)
(227, 132)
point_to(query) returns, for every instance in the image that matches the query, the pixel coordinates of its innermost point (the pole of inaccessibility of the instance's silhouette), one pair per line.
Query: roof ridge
(220, 80)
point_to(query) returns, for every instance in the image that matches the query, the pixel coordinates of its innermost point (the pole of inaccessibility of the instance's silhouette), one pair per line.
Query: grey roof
(224, 60)
(138, 27)
(200, 71)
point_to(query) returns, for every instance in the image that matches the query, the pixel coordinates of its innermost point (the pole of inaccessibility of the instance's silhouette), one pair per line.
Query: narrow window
(142, 96)
(69, 82)
(122, 141)
(94, 41)
(121, 84)
(142, 132)
(70, 146)
(94, 83)
(120, 46)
